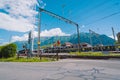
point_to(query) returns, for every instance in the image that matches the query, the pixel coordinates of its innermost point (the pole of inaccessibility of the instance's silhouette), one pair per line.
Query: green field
(24, 59)
(94, 54)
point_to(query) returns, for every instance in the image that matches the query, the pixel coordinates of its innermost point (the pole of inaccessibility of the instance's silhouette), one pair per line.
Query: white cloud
(113, 37)
(45, 33)
(20, 38)
(19, 7)
(54, 32)
(1, 39)
(51, 32)
(4, 43)
(12, 24)
(19, 16)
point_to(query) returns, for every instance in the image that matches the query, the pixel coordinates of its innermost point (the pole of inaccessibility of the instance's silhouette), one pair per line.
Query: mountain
(96, 39)
(84, 37)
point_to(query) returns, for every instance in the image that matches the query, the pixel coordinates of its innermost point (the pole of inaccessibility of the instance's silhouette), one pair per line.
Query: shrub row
(8, 50)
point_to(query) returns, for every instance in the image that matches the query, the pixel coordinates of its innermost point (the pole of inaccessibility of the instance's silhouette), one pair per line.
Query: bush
(8, 50)
(0, 51)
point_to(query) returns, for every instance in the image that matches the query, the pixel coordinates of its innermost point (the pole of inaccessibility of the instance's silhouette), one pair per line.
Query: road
(66, 69)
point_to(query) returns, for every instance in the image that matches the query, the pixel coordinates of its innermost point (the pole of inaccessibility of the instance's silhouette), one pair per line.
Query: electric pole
(113, 33)
(97, 35)
(30, 44)
(114, 38)
(78, 33)
(65, 20)
(91, 39)
(39, 25)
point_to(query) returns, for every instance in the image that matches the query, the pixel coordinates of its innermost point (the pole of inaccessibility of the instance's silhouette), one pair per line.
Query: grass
(22, 59)
(36, 59)
(93, 54)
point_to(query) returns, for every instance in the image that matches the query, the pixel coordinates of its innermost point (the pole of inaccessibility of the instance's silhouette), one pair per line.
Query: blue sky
(17, 21)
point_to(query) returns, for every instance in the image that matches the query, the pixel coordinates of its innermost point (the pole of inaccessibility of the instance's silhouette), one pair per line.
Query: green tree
(0, 51)
(8, 50)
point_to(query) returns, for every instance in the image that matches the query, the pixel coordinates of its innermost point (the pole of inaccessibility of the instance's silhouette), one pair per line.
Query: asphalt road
(67, 69)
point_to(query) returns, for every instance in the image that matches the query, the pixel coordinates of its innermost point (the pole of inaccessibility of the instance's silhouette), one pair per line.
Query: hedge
(8, 50)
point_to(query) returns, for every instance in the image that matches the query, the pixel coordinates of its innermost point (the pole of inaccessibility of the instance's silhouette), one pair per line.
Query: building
(85, 45)
(82, 45)
(67, 44)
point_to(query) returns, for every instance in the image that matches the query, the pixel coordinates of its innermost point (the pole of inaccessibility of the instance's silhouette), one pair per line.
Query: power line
(69, 6)
(103, 18)
(109, 8)
(95, 7)
(65, 20)
(99, 5)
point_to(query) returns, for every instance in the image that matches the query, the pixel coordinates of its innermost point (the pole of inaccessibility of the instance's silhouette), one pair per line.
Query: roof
(68, 43)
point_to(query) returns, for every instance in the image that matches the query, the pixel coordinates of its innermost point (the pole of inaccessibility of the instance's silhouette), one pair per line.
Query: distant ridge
(84, 37)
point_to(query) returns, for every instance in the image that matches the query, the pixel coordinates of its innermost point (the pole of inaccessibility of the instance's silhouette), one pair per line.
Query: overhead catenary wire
(94, 8)
(104, 10)
(65, 20)
(113, 14)
(98, 36)
(69, 5)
